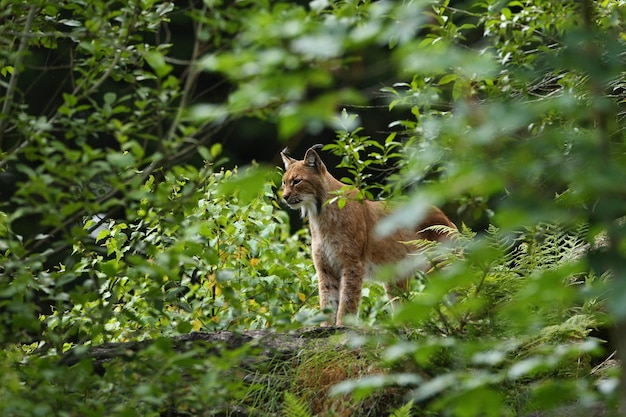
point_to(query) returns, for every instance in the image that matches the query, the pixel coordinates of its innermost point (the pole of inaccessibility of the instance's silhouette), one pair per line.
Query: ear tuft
(287, 160)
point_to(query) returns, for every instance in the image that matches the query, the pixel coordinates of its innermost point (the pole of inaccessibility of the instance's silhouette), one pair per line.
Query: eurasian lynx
(344, 247)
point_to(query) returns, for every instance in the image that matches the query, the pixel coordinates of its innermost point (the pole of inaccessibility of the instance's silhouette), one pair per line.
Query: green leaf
(109, 268)
(110, 97)
(448, 78)
(247, 185)
(208, 112)
(216, 150)
(184, 327)
(71, 22)
(71, 208)
(156, 60)
(102, 234)
(70, 100)
(6, 70)
(458, 88)
(121, 160)
(204, 153)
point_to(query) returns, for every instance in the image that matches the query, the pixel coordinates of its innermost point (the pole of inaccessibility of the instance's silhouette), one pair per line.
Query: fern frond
(404, 411)
(421, 244)
(295, 407)
(467, 232)
(441, 229)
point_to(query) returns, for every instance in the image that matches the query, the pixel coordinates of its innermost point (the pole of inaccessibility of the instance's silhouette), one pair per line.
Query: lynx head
(304, 185)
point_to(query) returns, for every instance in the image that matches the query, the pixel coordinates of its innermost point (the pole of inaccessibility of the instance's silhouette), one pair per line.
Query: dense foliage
(122, 220)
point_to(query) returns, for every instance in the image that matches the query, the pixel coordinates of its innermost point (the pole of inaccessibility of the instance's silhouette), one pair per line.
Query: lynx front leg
(350, 293)
(328, 286)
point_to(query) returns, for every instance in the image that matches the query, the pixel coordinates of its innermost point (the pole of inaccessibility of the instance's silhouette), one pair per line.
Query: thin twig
(184, 100)
(40, 35)
(466, 317)
(8, 99)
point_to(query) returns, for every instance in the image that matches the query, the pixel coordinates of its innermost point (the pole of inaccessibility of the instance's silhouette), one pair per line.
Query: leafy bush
(201, 260)
(505, 321)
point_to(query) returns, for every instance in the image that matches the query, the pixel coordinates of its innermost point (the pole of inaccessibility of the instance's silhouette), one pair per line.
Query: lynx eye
(296, 181)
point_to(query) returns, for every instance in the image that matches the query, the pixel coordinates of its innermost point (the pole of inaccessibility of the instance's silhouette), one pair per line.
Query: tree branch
(8, 98)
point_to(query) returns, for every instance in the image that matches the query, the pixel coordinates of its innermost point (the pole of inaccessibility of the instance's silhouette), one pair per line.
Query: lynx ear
(312, 159)
(287, 160)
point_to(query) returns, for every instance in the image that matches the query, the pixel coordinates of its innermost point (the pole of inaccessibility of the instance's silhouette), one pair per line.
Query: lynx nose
(286, 195)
